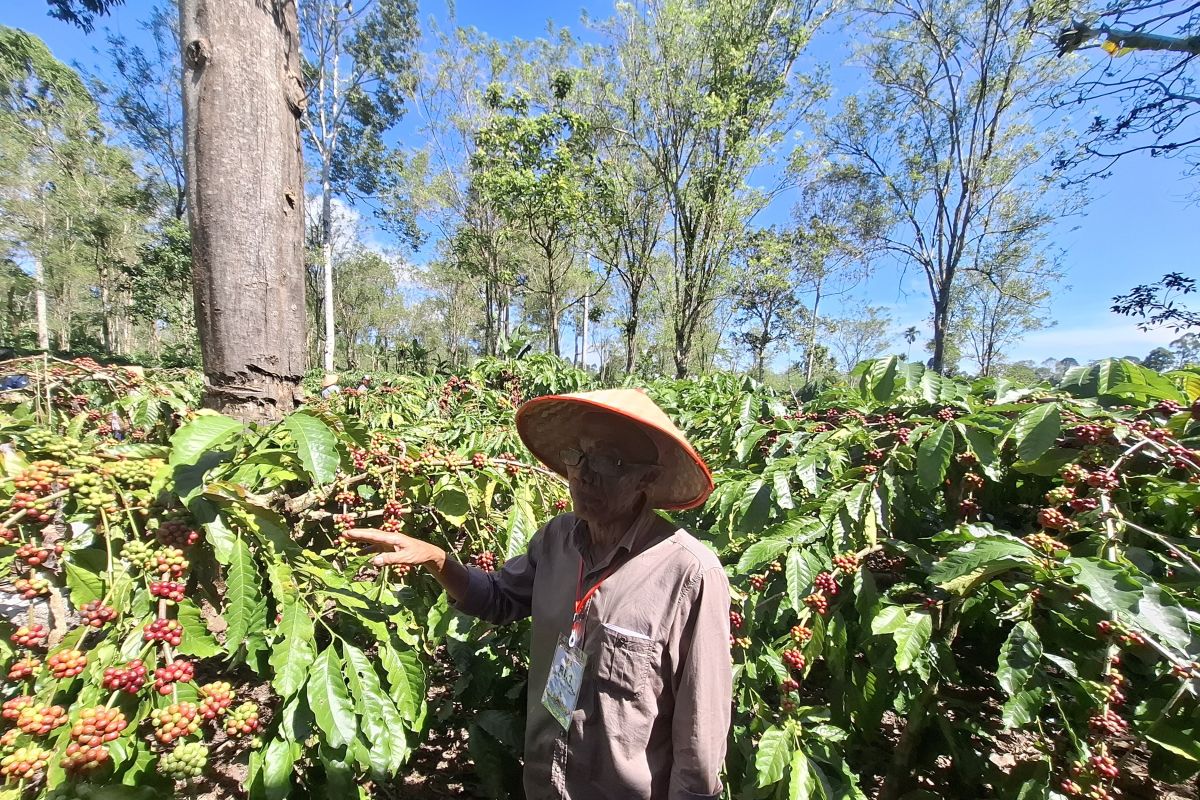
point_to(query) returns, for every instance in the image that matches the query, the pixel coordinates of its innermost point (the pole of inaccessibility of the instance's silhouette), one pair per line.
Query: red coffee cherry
(174, 721)
(242, 720)
(40, 720)
(217, 697)
(794, 659)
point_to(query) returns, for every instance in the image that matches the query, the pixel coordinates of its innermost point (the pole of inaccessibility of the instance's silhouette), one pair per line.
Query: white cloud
(1090, 342)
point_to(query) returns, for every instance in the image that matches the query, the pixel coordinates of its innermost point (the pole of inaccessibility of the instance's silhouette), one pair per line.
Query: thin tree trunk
(810, 357)
(327, 265)
(583, 348)
(243, 98)
(39, 298)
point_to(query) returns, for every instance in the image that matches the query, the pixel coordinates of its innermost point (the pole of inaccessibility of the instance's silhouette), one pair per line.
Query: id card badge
(562, 685)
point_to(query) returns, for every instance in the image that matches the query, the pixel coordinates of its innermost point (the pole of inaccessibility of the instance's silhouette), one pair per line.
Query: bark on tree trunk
(941, 320)
(245, 193)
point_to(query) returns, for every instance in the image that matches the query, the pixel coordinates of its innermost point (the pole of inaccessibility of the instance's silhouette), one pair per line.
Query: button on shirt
(653, 711)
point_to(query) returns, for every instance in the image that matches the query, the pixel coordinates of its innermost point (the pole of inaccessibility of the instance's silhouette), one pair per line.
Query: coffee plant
(942, 589)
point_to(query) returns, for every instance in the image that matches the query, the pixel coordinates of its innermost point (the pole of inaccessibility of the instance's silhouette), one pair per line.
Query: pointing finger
(395, 558)
(375, 537)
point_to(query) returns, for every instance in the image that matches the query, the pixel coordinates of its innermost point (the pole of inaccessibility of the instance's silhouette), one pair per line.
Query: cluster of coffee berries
(800, 634)
(138, 553)
(393, 509)
(175, 721)
(129, 678)
(24, 762)
(736, 620)
(168, 590)
(215, 699)
(36, 509)
(1109, 722)
(12, 708)
(67, 663)
(968, 508)
(904, 435)
(789, 685)
(170, 561)
(187, 760)
(486, 560)
(30, 635)
(1079, 504)
(23, 668)
(794, 659)
(343, 522)
(178, 671)
(973, 481)
(758, 582)
(38, 477)
(33, 555)
(846, 562)
(39, 720)
(79, 759)
(946, 414)
(818, 603)
(1168, 407)
(825, 582)
(1089, 434)
(347, 498)
(164, 630)
(511, 468)
(879, 561)
(1103, 480)
(479, 460)
(242, 721)
(1060, 495)
(30, 588)
(876, 455)
(561, 504)
(1054, 519)
(98, 725)
(96, 615)
(176, 533)
(1044, 541)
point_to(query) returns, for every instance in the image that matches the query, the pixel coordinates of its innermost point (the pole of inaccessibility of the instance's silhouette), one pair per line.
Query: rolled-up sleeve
(703, 688)
(505, 595)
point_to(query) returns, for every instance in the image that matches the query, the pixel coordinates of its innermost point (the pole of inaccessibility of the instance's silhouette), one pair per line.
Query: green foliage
(896, 531)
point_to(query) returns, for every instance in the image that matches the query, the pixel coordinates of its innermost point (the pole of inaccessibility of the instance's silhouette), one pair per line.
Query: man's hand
(399, 548)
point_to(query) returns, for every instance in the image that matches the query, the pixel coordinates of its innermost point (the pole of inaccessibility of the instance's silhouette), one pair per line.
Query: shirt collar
(632, 542)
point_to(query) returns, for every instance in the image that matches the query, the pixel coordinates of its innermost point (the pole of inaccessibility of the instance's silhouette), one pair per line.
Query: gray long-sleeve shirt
(654, 708)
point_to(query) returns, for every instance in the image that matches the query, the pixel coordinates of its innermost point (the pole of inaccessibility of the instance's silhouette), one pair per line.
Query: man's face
(606, 440)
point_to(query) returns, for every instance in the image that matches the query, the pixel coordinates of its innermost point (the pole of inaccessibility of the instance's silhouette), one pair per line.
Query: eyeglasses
(601, 464)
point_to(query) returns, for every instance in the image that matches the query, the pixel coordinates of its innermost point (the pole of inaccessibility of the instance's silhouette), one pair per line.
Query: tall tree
(358, 70)
(860, 335)
(948, 135)
(764, 298)
(710, 91)
(537, 167)
(1158, 304)
(143, 99)
(243, 97)
(35, 91)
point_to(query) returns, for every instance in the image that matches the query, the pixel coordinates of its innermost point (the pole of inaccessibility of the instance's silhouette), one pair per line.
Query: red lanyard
(581, 602)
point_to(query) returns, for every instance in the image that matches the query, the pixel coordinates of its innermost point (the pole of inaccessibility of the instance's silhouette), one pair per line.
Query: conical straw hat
(549, 424)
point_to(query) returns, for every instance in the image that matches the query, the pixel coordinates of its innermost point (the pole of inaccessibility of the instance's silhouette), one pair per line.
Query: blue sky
(1139, 225)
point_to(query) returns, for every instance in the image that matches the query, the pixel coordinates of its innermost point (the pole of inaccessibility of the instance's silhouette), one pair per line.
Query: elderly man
(630, 682)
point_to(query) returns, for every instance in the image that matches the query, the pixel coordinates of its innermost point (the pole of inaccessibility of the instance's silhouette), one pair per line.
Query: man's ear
(649, 477)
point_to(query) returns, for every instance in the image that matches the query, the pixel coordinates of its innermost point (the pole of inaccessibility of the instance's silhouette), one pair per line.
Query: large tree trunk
(941, 321)
(245, 193)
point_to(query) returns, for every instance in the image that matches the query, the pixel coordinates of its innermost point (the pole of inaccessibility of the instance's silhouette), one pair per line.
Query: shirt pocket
(624, 660)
